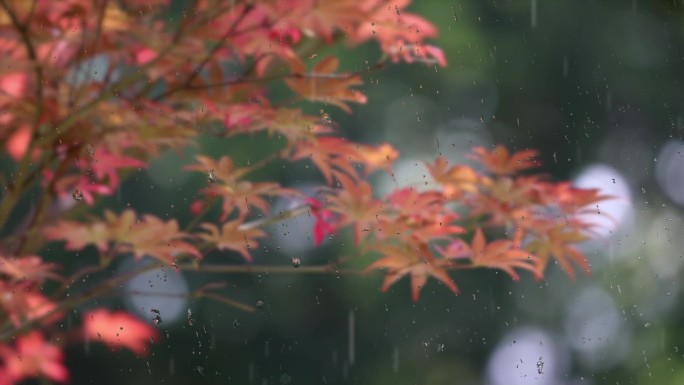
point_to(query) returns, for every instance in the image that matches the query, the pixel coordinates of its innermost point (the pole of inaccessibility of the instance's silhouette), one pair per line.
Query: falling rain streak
(352, 337)
(533, 13)
(395, 360)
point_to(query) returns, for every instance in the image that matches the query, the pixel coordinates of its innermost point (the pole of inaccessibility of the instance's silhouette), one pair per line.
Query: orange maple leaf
(404, 260)
(356, 206)
(149, 236)
(499, 161)
(290, 123)
(500, 254)
(232, 237)
(455, 180)
(22, 302)
(321, 17)
(79, 235)
(333, 156)
(556, 241)
(236, 194)
(324, 85)
(27, 268)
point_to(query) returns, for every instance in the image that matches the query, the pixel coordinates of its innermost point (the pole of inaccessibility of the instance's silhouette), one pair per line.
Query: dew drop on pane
(77, 195)
(540, 365)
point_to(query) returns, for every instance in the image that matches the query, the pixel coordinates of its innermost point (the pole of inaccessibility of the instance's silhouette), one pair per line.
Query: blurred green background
(595, 85)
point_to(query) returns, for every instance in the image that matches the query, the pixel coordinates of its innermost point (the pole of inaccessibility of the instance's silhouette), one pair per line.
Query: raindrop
(352, 339)
(395, 360)
(260, 304)
(540, 366)
(296, 262)
(211, 176)
(77, 195)
(200, 370)
(236, 324)
(285, 379)
(647, 325)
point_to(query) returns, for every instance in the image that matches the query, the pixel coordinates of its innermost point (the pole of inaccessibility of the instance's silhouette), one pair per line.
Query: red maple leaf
(325, 220)
(33, 357)
(118, 330)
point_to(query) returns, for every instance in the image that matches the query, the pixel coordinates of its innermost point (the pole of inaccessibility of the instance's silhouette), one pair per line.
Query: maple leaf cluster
(424, 233)
(91, 91)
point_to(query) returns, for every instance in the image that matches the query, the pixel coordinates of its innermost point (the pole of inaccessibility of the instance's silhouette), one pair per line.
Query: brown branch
(196, 71)
(265, 269)
(305, 75)
(43, 204)
(228, 301)
(72, 99)
(68, 122)
(23, 29)
(9, 331)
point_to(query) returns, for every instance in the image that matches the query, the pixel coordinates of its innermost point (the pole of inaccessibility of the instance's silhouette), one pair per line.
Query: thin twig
(266, 269)
(228, 301)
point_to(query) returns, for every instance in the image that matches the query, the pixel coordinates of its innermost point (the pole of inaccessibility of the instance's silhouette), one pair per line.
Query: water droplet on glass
(211, 176)
(285, 379)
(90, 151)
(296, 262)
(647, 325)
(77, 195)
(540, 366)
(260, 304)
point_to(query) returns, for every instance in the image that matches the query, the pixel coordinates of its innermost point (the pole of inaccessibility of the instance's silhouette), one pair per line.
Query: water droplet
(260, 304)
(77, 195)
(540, 365)
(647, 325)
(296, 262)
(285, 379)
